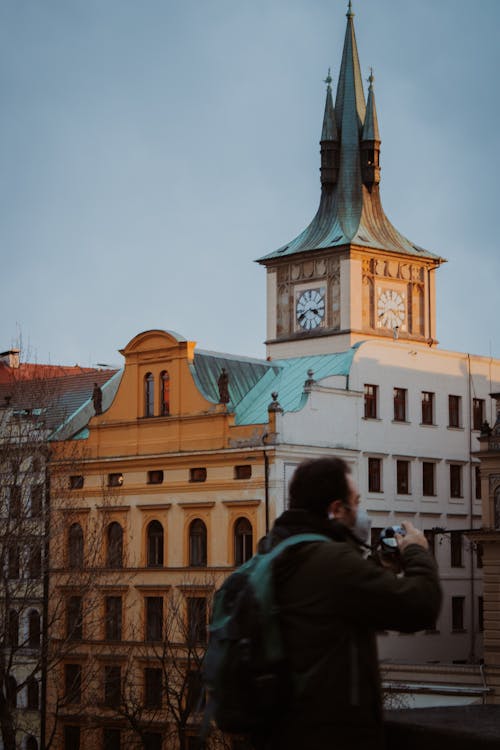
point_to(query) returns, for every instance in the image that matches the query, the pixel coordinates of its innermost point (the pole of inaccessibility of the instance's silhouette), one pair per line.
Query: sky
(151, 150)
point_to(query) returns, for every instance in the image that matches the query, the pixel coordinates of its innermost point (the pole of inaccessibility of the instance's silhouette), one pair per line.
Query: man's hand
(413, 536)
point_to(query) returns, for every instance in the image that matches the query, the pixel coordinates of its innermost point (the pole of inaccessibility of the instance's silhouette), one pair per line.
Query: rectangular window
(403, 477)
(36, 500)
(456, 549)
(431, 540)
(71, 738)
(111, 739)
(13, 561)
(455, 480)
(197, 619)
(151, 741)
(480, 613)
(243, 472)
(427, 407)
(428, 479)
(454, 409)
(374, 475)
(73, 683)
(155, 476)
(152, 687)
(400, 404)
(112, 686)
(35, 560)
(477, 477)
(74, 618)
(76, 482)
(370, 401)
(457, 613)
(115, 480)
(113, 618)
(198, 474)
(477, 413)
(154, 618)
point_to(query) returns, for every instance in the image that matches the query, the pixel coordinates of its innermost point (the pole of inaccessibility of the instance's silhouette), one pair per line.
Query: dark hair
(316, 483)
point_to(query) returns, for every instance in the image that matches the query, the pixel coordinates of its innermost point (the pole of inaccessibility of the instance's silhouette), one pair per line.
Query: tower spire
(329, 139)
(370, 140)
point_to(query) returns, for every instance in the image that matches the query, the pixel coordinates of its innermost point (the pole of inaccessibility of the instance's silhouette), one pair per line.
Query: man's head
(324, 486)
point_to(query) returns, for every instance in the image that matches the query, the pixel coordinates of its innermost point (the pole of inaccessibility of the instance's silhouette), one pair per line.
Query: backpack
(245, 670)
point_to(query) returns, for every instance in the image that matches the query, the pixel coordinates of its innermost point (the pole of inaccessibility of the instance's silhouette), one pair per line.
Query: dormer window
(149, 395)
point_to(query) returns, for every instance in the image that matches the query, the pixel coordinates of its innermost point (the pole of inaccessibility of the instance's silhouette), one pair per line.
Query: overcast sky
(151, 149)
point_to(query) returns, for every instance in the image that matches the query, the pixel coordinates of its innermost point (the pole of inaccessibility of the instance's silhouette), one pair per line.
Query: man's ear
(335, 508)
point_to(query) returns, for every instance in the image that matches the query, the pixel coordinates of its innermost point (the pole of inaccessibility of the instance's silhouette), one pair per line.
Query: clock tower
(350, 275)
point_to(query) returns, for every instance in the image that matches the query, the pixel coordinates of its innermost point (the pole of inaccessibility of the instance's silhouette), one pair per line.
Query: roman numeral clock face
(310, 308)
(391, 309)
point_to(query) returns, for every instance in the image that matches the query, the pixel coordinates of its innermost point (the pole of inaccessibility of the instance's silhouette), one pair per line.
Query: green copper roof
(252, 381)
(350, 211)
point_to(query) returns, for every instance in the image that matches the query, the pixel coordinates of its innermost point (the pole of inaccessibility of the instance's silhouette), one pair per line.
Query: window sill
(459, 631)
(428, 424)
(454, 428)
(400, 421)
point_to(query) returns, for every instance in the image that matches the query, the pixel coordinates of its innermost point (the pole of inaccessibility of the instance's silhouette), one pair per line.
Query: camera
(388, 536)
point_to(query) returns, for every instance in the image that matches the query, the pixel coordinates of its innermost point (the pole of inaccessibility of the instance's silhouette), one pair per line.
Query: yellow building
(170, 493)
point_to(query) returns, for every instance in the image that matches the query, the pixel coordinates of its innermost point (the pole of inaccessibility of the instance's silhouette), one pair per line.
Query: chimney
(10, 358)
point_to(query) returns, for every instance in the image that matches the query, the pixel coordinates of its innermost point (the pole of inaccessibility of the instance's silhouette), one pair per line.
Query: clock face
(391, 311)
(310, 308)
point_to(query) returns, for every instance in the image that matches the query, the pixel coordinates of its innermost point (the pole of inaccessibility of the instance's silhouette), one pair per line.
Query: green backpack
(246, 673)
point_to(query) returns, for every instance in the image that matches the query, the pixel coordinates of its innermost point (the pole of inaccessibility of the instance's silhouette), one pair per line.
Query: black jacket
(332, 602)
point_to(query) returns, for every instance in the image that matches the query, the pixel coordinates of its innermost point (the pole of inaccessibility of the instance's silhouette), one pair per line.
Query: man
(332, 602)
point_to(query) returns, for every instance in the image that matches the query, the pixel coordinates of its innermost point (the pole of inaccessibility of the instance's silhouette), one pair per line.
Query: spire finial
(328, 79)
(371, 78)
(349, 13)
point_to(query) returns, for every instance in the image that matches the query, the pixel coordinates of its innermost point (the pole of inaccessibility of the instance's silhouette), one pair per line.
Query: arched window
(243, 541)
(155, 544)
(497, 508)
(34, 629)
(75, 546)
(149, 395)
(11, 692)
(31, 743)
(33, 693)
(164, 394)
(114, 552)
(13, 632)
(197, 544)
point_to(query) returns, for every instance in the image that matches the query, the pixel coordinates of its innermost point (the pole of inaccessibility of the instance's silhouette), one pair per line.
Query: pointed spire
(329, 131)
(370, 128)
(350, 85)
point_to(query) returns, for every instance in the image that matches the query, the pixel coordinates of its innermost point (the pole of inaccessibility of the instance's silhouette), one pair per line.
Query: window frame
(72, 683)
(454, 411)
(153, 620)
(113, 618)
(370, 401)
(456, 481)
(458, 614)
(478, 412)
(428, 482)
(403, 477)
(198, 544)
(399, 401)
(374, 474)
(155, 544)
(243, 540)
(427, 405)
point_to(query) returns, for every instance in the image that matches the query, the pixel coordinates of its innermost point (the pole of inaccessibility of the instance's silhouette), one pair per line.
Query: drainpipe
(45, 608)
(472, 648)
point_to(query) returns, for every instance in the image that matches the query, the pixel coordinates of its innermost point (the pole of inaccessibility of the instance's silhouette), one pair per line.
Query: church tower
(350, 275)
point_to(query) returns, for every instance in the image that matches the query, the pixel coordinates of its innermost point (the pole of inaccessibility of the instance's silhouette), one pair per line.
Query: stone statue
(97, 399)
(223, 384)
